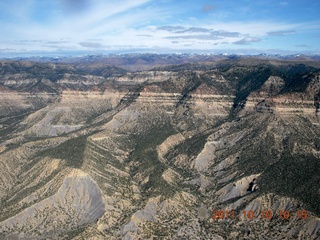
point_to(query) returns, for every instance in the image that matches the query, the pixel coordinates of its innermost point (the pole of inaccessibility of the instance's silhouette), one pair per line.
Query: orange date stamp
(264, 214)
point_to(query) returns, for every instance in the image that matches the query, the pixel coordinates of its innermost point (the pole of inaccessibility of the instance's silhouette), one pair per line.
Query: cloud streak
(93, 45)
(247, 41)
(280, 33)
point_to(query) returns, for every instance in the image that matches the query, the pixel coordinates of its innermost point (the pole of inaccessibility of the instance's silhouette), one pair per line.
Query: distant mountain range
(143, 61)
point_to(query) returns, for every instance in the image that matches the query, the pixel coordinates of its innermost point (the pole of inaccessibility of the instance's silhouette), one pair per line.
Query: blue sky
(212, 26)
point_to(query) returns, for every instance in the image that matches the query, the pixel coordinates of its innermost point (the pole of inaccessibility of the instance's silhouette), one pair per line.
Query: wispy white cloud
(63, 24)
(280, 33)
(171, 28)
(247, 40)
(93, 45)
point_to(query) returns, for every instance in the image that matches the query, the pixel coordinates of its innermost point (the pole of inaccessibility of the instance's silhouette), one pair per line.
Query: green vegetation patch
(294, 176)
(191, 146)
(145, 154)
(71, 150)
(249, 81)
(297, 77)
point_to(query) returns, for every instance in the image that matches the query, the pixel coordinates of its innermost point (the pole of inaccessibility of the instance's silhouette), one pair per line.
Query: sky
(162, 26)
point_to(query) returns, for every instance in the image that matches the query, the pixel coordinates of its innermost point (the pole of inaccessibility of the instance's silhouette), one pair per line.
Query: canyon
(90, 150)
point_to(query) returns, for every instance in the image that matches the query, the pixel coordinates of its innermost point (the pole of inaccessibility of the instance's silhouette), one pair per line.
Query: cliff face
(110, 154)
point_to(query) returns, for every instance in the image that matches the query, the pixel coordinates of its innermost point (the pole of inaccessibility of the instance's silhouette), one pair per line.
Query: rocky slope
(101, 153)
